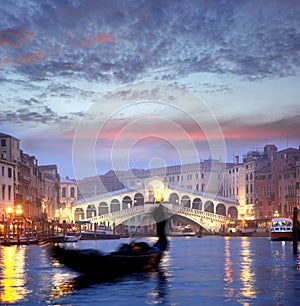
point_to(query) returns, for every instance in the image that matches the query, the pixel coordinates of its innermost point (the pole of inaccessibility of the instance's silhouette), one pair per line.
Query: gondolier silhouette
(161, 216)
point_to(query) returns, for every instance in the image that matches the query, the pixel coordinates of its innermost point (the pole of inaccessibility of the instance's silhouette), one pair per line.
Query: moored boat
(179, 231)
(281, 229)
(99, 233)
(72, 238)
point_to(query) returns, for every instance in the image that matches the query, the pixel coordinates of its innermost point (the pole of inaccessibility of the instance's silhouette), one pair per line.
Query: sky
(97, 85)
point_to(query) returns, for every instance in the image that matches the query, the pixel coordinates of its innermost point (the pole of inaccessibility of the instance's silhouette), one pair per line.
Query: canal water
(196, 271)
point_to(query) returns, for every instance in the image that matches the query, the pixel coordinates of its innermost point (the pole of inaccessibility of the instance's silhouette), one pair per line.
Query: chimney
(236, 159)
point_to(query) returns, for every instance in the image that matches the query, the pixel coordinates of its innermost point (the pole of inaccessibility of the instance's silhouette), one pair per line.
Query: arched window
(72, 192)
(64, 192)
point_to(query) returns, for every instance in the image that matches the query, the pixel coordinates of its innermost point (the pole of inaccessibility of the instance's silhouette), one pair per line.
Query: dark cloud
(123, 41)
(36, 115)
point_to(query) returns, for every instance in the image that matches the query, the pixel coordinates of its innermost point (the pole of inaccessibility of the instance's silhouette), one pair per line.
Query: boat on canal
(129, 258)
(99, 233)
(182, 231)
(281, 229)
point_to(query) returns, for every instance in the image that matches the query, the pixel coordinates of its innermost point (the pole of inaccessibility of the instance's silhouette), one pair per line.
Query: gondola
(129, 258)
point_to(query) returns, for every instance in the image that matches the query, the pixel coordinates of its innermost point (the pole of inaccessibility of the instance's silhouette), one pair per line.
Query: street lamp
(9, 211)
(19, 212)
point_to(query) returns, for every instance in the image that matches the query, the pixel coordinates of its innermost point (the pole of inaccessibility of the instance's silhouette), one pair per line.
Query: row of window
(9, 172)
(6, 192)
(189, 177)
(233, 170)
(232, 192)
(64, 192)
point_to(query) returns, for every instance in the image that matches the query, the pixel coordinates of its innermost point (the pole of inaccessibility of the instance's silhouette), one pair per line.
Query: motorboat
(281, 229)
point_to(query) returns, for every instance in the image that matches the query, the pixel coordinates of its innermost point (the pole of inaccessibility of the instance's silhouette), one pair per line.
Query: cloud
(280, 128)
(131, 40)
(37, 115)
(15, 37)
(98, 39)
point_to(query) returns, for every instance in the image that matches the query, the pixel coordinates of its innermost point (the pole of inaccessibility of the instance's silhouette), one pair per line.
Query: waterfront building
(255, 161)
(32, 187)
(7, 186)
(52, 190)
(276, 185)
(235, 186)
(68, 195)
(285, 162)
(9, 148)
(35, 188)
(298, 183)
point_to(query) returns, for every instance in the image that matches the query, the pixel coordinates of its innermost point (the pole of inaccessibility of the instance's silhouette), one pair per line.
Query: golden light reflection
(247, 275)
(298, 262)
(229, 291)
(64, 283)
(12, 282)
(159, 191)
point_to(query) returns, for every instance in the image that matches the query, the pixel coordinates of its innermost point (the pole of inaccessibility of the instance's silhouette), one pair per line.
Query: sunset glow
(122, 83)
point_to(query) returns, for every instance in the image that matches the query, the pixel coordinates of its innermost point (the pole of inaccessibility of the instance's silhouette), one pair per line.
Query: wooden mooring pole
(295, 231)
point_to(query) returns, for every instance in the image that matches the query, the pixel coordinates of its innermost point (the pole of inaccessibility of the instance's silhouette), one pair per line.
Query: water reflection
(13, 276)
(245, 275)
(228, 278)
(160, 293)
(81, 282)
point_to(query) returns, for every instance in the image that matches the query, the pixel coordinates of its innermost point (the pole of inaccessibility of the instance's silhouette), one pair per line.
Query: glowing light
(159, 191)
(12, 282)
(19, 210)
(9, 210)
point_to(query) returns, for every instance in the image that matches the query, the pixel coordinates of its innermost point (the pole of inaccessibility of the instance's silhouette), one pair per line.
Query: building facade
(68, 195)
(235, 186)
(51, 191)
(23, 182)
(7, 186)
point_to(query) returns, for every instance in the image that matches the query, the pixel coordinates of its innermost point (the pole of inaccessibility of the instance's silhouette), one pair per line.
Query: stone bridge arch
(103, 208)
(197, 204)
(233, 213)
(79, 214)
(209, 206)
(119, 203)
(185, 201)
(91, 211)
(174, 198)
(139, 199)
(221, 209)
(115, 205)
(126, 202)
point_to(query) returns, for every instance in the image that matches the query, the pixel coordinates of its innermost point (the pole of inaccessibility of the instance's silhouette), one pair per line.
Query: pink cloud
(31, 57)
(15, 37)
(98, 39)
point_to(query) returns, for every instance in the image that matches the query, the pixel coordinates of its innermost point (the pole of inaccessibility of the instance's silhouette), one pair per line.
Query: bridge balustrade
(210, 221)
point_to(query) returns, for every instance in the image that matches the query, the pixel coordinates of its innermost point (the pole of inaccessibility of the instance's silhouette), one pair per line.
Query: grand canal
(196, 271)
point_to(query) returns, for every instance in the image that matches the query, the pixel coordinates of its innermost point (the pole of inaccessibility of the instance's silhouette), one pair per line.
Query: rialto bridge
(133, 206)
